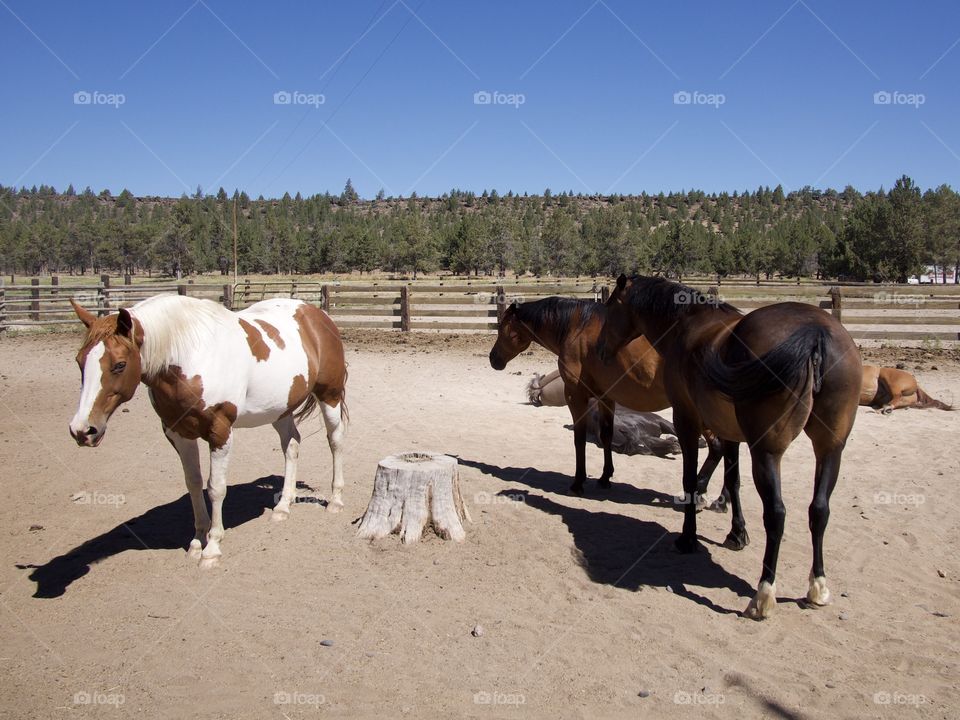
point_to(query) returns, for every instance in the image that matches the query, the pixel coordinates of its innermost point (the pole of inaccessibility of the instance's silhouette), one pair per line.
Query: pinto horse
(209, 371)
(569, 328)
(760, 379)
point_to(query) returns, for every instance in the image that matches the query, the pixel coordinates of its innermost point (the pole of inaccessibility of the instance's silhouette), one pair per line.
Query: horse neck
(547, 337)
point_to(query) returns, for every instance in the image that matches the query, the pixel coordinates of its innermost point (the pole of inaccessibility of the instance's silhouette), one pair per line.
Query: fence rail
(891, 313)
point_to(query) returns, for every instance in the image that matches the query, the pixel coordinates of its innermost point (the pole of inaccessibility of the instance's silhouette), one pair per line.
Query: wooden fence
(892, 313)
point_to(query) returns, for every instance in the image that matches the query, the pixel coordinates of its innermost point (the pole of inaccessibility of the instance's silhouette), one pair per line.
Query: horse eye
(118, 368)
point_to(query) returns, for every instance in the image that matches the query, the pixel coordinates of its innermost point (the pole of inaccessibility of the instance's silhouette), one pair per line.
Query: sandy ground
(587, 610)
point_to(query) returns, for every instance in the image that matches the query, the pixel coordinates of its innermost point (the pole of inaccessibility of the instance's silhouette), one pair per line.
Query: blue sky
(780, 92)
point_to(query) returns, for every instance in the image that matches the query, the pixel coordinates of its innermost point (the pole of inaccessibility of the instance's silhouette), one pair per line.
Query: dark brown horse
(570, 328)
(760, 379)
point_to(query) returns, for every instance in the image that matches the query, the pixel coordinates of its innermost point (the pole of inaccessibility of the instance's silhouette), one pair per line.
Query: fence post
(501, 299)
(105, 281)
(713, 295)
(293, 289)
(55, 284)
(35, 298)
(127, 280)
(404, 309)
(3, 306)
(227, 298)
(835, 302)
(325, 298)
(604, 293)
(181, 289)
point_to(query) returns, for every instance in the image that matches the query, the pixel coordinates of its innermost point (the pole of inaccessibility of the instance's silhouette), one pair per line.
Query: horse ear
(86, 317)
(125, 323)
(621, 282)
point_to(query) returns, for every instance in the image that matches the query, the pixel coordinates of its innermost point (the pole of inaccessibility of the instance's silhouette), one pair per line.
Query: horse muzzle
(89, 437)
(497, 362)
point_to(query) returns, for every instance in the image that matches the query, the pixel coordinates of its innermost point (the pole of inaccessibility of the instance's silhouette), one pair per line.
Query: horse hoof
(194, 550)
(736, 541)
(335, 506)
(206, 563)
(279, 515)
(603, 483)
(819, 594)
(763, 603)
(686, 545)
(577, 488)
(717, 506)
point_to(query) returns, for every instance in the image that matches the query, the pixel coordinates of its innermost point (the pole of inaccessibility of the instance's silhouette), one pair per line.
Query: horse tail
(925, 401)
(313, 401)
(789, 366)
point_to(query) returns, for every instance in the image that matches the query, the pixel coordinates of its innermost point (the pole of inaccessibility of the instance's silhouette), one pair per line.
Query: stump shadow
(558, 483)
(630, 553)
(165, 527)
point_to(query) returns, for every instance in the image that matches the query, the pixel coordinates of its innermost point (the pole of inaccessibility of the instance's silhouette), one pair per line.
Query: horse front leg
(737, 539)
(290, 445)
(606, 413)
(579, 405)
(193, 477)
(336, 431)
(216, 491)
(766, 476)
(687, 436)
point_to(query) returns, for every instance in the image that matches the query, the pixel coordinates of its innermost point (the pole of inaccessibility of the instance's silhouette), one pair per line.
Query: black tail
(788, 366)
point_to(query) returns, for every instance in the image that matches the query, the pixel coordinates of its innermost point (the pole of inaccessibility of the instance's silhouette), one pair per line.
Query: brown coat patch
(258, 348)
(178, 401)
(272, 333)
(326, 366)
(299, 390)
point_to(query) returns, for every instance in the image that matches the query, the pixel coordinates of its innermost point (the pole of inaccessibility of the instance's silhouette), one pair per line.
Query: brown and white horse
(208, 371)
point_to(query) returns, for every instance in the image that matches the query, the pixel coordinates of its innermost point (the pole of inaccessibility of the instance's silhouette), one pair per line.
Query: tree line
(878, 235)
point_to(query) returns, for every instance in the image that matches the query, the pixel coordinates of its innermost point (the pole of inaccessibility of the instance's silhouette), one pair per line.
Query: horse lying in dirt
(634, 432)
(887, 389)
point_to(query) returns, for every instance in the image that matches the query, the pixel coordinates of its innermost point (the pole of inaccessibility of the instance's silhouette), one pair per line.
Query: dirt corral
(584, 608)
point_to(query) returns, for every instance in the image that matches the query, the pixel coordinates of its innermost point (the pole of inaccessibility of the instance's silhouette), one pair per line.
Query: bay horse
(887, 389)
(760, 378)
(209, 370)
(570, 328)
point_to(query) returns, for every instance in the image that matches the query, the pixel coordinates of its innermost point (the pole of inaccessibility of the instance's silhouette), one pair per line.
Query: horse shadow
(165, 527)
(630, 553)
(558, 483)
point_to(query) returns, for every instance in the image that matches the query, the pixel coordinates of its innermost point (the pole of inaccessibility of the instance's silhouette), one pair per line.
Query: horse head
(513, 337)
(619, 326)
(109, 363)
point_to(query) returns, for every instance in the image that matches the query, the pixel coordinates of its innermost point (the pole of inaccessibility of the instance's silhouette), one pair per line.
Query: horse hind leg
(737, 539)
(766, 476)
(828, 469)
(336, 430)
(286, 428)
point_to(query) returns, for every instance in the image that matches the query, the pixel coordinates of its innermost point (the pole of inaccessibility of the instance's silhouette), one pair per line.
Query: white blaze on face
(92, 384)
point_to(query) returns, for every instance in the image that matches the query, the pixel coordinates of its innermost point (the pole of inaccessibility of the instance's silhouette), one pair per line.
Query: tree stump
(410, 490)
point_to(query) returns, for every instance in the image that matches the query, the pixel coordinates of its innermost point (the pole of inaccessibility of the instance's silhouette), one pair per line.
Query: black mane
(558, 314)
(665, 298)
